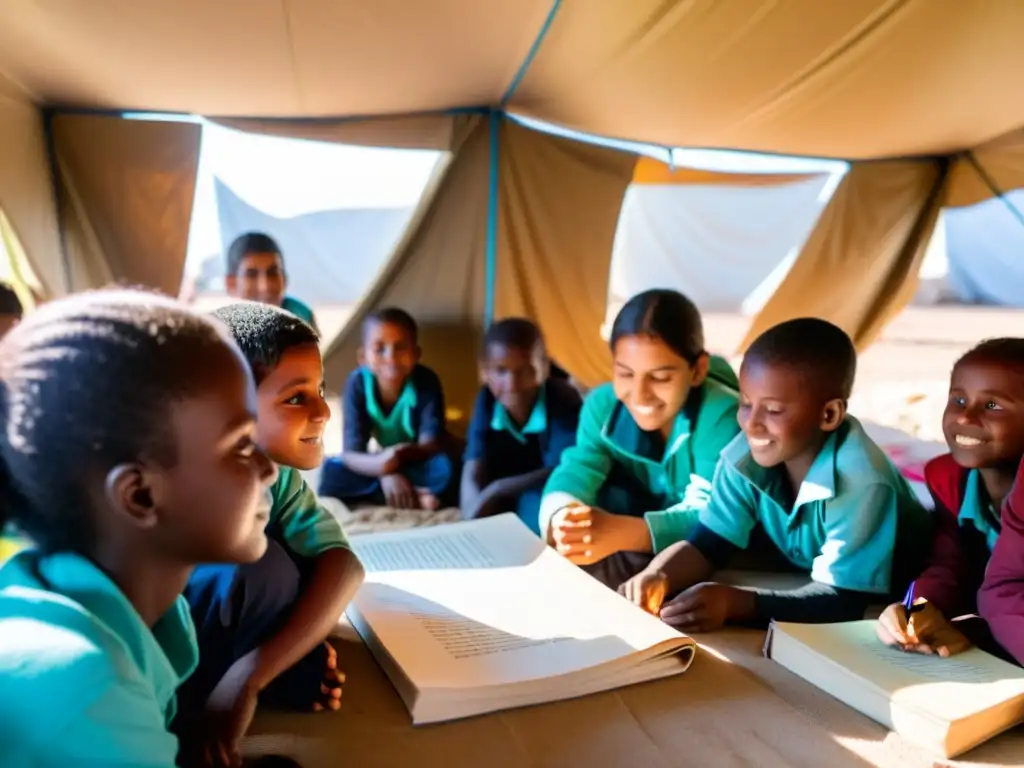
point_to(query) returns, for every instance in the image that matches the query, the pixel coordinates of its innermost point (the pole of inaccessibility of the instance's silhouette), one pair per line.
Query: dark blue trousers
(235, 609)
(436, 474)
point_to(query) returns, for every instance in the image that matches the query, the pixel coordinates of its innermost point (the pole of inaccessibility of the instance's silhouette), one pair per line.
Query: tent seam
(51, 158)
(491, 242)
(993, 187)
(531, 53)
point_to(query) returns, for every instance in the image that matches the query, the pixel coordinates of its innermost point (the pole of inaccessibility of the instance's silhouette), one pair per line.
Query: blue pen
(908, 603)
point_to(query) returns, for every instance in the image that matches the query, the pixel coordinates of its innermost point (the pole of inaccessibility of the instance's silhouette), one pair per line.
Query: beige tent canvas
(918, 95)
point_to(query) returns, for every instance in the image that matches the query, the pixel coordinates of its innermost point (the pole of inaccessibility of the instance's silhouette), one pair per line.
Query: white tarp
(715, 243)
(332, 257)
(985, 246)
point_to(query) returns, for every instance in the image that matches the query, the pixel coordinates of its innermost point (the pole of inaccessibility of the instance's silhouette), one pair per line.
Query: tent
(920, 96)
(718, 237)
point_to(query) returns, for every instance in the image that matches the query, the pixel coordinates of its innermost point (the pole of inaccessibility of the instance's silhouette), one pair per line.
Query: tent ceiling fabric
(268, 58)
(853, 79)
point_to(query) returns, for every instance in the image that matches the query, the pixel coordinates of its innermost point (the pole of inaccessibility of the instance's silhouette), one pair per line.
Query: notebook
(945, 705)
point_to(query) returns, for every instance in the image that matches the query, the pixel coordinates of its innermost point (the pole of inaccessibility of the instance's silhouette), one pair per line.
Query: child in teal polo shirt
(984, 428)
(127, 456)
(280, 609)
(805, 474)
(523, 420)
(256, 272)
(647, 443)
(398, 402)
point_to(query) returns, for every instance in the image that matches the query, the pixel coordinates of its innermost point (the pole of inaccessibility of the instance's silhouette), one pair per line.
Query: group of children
(181, 570)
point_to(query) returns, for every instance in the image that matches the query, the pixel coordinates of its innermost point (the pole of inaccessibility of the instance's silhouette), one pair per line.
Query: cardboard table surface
(731, 708)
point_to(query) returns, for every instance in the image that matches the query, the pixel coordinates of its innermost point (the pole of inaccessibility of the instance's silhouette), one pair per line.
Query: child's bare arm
(372, 464)
(683, 565)
(483, 501)
(471, 491)
(336, 576)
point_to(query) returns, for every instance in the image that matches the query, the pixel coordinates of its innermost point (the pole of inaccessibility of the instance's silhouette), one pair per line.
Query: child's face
(515, 375)
(984, 418)
(212, 506)
(390, 353)
(781, 414)
(652, 381)
(260, 277)
(292, 410)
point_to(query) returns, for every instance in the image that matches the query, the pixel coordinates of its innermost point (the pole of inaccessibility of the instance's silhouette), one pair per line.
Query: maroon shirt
(1001, 599)
(959, 553)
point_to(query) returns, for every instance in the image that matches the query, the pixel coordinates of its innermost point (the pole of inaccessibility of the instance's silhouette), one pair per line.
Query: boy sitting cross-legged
(398, 402)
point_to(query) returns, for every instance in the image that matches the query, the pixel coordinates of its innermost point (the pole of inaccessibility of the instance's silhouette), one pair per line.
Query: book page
(461, 550)
(487, 603)
(951, 688)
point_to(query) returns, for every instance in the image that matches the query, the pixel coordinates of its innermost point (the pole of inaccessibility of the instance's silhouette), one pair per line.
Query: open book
(945, 705)
(480, 616)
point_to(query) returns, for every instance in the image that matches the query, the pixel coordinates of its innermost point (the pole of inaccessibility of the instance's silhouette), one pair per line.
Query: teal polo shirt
(298, 520)
(83, 681)
(417, 416)
(977, 510)
(536, 423)
(678, 472)
(299, 309)
(851, 513)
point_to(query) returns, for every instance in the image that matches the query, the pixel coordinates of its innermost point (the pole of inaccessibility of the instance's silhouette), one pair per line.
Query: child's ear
(700, 370)
(417, 353)
(231, 284)
(832, 415)
(131, 492)
(361, 356)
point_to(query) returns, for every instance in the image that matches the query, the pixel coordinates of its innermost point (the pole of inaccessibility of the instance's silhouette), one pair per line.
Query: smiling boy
(397, 402)
(983, 424)
(256, 272)
(807, 475)
(266, 624)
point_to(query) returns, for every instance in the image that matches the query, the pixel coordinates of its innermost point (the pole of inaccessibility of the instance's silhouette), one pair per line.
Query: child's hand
(647, 590)
(391, 458)
(929, 632)
(701, 608)
(330, 688)
(233, 703)
(585, 535)
(399, 492)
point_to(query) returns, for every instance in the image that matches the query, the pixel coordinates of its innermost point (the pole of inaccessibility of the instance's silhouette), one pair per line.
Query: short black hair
(816, 347)
(264, 333)
(250, 242)
(393, 316)
(664, 314)
(514, 333)
(1005, 350)
(10, 304)
(86, 384)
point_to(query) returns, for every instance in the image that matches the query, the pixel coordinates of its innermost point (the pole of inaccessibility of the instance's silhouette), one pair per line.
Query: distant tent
(714, 236)
(332, 256)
